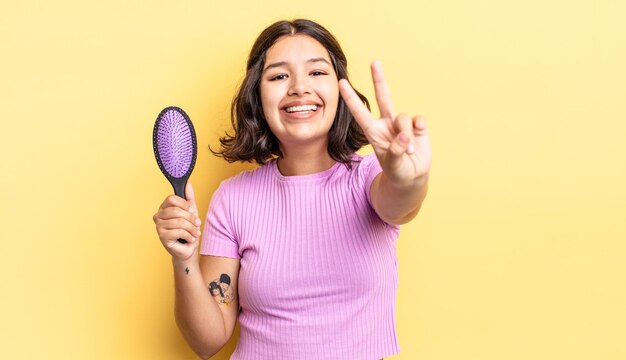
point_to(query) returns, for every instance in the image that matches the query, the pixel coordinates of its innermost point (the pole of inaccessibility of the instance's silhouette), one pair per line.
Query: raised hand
(400, 142)
(177, 218)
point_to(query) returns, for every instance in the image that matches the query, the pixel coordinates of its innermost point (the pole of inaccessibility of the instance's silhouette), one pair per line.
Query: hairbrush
(175, 148)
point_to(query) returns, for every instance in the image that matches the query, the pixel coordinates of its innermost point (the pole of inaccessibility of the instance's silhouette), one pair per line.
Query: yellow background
(519, 251)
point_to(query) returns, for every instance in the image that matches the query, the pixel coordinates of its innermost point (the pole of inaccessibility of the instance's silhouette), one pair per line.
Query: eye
(318, 73)
(278, 77)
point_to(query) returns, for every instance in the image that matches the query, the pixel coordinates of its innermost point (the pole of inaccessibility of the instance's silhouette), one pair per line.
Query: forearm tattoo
(221, 290)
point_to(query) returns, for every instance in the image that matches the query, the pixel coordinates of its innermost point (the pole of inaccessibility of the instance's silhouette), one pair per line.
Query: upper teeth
(301, 108)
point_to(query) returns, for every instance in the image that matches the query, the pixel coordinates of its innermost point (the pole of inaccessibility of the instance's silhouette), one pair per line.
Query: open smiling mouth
(301, 109)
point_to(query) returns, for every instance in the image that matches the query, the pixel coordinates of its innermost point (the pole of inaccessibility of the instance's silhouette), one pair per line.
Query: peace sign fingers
(355, 104)
(383, 96)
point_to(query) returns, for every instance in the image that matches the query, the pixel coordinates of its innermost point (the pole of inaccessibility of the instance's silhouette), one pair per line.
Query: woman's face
(299, 90)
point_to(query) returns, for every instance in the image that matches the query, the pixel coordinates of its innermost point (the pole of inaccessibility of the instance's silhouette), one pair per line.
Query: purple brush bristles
(175, 144)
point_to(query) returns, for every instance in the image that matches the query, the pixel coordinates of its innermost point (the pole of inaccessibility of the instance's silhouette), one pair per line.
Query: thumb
(396, 151)
(190, 195)
(399, 145)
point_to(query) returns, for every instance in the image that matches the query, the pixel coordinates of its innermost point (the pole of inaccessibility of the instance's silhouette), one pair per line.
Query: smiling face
(299, 91)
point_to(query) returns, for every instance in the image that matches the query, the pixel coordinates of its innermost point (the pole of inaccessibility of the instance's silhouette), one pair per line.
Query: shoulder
(364, 167)
(246, 179)
(364, 162)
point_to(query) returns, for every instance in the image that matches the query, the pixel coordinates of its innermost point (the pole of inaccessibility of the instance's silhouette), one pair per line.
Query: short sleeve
(370, 168)
(218, 237)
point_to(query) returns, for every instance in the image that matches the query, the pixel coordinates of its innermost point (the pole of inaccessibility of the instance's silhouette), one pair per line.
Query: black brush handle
(179, 189)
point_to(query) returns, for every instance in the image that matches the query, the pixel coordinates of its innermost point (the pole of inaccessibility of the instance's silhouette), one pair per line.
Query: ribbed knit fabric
(318, 274)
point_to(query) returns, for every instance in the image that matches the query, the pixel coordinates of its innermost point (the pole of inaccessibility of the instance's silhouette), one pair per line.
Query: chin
(305, 138)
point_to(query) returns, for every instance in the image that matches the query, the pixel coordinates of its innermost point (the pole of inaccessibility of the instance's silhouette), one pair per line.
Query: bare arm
(397, 204)
(206, 321)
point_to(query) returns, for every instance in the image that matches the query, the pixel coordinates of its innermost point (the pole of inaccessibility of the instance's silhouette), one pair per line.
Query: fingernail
(410, 149)
(420, 122)
(403, 138)
(198, 222)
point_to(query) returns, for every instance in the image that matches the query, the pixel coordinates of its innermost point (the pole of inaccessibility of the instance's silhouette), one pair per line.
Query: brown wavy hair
(252, 139)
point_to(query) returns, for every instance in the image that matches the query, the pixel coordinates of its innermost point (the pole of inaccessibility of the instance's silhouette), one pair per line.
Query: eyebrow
(283, 63)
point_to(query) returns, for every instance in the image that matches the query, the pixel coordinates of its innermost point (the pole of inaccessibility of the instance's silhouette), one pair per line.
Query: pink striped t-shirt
(318, 275)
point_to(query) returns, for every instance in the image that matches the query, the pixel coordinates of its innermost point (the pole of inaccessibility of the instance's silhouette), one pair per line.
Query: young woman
(302, 250)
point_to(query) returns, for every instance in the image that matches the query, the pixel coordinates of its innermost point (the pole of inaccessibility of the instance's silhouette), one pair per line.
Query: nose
(299, 85)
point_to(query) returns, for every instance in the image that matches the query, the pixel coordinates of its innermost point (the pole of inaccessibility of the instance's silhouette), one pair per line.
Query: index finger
(383, 96)
(175, 200)
(355, 104)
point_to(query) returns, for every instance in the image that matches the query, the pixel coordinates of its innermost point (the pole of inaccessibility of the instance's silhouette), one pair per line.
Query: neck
(304, 161)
